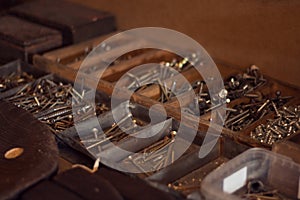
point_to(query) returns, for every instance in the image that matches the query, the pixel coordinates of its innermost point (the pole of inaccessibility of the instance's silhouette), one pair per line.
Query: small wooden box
(20, 39)
(77, 23)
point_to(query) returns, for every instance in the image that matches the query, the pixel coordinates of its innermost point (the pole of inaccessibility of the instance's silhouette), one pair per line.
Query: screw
(278, 128)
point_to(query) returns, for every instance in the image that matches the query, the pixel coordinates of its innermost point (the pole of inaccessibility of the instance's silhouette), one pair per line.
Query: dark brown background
(237, 32)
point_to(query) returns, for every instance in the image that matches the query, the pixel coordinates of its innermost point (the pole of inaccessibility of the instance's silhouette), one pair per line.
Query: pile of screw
(13, 80)
(285, 123)
(241, 84)
(156, 156)
(256, 190)
(51, 103)
(258, 106)
(114, 134)
(235, 87)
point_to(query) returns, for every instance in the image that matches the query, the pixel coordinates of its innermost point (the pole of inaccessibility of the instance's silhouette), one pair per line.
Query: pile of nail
(285, 124)
(51, 103)
(159, 75)
(256, 190)
(153, 76)
(166, 93)
(242, 115)
(13, 80)
(156, 156)
(234, 87)
(241, 84)
(102, 140)
(203, 101)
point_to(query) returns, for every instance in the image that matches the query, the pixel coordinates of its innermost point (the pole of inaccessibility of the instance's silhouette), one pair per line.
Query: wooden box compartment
(162, 152)
(76, 22)
(73, 56)
(136, 121)
(274, 127)
(186, 176)
(16, 74)
(90, 130)
(20, 39)
(50, 99)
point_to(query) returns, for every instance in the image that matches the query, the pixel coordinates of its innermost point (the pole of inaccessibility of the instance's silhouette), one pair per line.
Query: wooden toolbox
(76, 22)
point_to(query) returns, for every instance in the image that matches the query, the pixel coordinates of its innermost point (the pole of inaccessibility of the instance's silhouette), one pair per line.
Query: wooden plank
(19, 129)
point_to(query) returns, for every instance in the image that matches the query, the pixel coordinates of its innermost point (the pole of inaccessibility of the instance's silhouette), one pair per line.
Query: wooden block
(21, 39)
(77, 23)
(19, 129)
